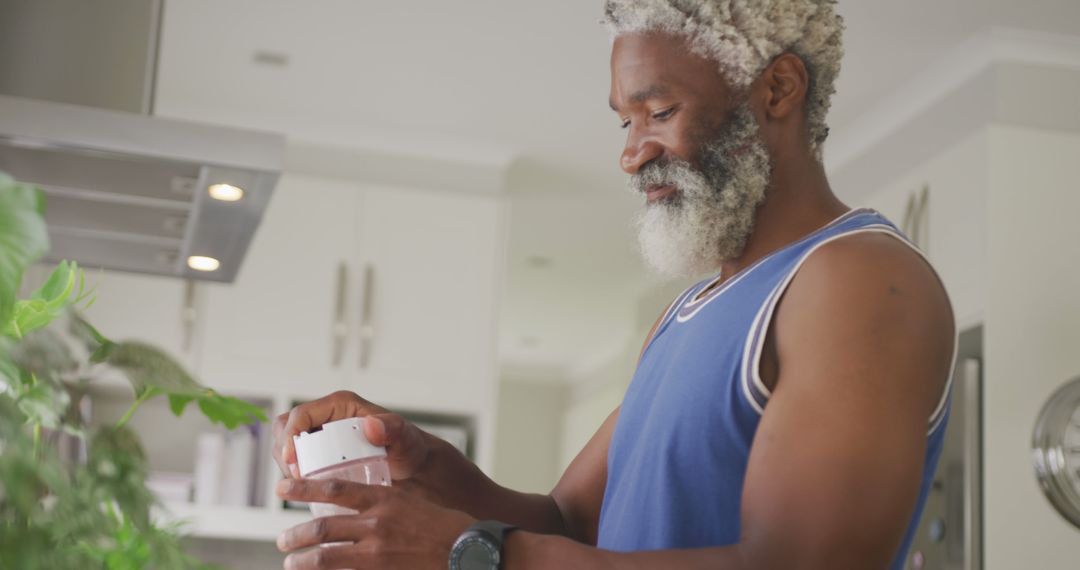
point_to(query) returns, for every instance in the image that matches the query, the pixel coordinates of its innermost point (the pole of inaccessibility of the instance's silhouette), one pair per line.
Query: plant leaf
(117, 463)
(86, 332)
(177, 403)
(146, 366)
(23, 238)
(44, 354)
(9, 372)
(43, 404)
(50, 300)
(59, 285)
(99, 346)
(230, 412)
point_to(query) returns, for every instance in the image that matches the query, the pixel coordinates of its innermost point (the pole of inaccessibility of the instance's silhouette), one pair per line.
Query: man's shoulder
(868, 277)
(865, 302)
(860, 261)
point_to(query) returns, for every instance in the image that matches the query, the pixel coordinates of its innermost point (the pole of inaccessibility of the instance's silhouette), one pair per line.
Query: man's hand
(407, 447)
(392, 530)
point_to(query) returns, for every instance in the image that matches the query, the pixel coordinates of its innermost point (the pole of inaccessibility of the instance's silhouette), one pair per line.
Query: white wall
(956, 240)
(592, 402)
(598, 389)
(528, 434)
(1032, 336)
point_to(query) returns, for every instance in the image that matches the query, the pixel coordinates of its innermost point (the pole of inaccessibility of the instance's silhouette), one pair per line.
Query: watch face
(1057, 450)
(474, 553)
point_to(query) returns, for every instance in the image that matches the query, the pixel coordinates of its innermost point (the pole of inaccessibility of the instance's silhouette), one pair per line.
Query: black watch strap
(495, 529)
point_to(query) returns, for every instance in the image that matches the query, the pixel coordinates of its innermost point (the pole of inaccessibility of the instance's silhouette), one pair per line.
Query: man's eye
(665, 114)
(625, 124)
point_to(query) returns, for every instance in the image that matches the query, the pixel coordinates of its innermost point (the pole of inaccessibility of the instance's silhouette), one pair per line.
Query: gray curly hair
(744, 36)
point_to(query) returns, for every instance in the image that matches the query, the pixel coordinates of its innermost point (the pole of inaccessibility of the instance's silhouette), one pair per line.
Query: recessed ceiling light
(203, 263)
(226, 192)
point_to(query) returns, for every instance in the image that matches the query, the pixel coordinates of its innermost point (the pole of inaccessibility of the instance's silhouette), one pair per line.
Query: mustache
(660, 172)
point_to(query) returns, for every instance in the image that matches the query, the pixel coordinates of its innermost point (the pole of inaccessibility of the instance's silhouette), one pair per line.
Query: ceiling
(520, 86)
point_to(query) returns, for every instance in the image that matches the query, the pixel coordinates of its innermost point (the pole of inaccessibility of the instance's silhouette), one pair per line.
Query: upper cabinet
(276, 327)
(429, 268)
(390, 292)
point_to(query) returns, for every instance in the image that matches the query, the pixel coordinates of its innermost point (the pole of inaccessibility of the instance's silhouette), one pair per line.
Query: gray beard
(711, 216)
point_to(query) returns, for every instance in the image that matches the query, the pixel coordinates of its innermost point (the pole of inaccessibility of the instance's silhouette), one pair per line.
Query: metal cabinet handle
(922, 212)
(915, 216)
(340, 330)
(367, 328)
(189, 315)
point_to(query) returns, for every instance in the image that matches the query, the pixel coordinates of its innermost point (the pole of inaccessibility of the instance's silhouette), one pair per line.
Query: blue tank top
(681, 486)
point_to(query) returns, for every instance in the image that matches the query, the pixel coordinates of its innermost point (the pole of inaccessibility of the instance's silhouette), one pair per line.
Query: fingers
(334, 557)
(349, 494)
(406, 448)
(342, 528)
(305, 417)
(276, 451)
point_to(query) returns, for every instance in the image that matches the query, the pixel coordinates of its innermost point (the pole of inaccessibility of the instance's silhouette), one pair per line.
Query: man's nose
(638, 152)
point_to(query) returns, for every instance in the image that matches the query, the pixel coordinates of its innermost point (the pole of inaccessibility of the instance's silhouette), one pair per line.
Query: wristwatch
(480, 547)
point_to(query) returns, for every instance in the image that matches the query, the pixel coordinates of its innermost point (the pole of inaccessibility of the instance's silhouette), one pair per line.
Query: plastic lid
(338, 442)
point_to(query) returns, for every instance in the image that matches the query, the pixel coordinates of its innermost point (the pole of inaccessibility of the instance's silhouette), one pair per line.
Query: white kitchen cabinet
(274, 328)
(433, 261)
(389, 292)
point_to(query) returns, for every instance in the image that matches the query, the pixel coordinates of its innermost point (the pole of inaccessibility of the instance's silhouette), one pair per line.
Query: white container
(340, 451)
(209, 468)
(238, 479)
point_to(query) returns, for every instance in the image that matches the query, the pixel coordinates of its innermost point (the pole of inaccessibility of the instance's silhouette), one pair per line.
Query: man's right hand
(407, 447)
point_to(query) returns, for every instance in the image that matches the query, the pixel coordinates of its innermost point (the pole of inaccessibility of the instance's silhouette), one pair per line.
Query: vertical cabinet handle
(915, 216)
(340, 330)
(922, 210)
(189, 315)
(367, 328)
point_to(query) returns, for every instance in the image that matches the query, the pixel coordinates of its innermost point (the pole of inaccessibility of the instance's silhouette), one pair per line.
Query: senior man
(787, 412)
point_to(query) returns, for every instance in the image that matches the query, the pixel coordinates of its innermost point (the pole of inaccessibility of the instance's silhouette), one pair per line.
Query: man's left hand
(392, 530)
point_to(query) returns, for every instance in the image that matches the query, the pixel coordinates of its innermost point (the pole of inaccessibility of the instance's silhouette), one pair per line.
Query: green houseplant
(94, 513)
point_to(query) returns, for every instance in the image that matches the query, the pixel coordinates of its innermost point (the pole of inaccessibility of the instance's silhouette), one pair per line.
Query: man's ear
(783, 85)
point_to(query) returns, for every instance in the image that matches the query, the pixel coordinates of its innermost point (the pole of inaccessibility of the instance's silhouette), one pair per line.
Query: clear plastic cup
(340, 450)
(369, 471)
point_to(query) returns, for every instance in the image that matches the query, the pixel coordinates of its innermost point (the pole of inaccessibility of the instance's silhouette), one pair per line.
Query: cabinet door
(433, 261)
(274, 328)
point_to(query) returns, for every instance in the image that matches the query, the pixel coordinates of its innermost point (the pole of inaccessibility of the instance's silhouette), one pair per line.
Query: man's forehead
(651, 65)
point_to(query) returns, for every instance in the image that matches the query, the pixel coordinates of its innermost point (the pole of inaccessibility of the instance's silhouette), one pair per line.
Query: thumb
(405, 446)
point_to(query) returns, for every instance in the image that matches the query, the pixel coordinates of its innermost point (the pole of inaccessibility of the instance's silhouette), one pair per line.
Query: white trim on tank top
(697, 303)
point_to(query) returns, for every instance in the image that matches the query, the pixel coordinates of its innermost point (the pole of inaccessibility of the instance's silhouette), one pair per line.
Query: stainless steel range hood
(126, 190)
